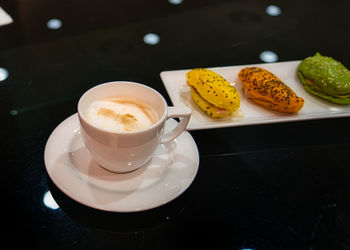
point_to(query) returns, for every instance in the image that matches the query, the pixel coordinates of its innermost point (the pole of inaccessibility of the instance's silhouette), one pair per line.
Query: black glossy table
(271, 186)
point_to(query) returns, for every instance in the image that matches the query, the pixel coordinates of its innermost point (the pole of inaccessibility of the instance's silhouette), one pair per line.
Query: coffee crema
(121, 114)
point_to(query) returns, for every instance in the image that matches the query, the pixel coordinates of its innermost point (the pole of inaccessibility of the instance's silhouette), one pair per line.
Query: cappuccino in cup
(121, 114)
(122, 124)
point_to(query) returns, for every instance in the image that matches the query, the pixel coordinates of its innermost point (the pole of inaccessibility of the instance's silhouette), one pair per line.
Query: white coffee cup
(126, 151)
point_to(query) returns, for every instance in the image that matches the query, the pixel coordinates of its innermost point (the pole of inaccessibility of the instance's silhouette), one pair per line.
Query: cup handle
(184, 113)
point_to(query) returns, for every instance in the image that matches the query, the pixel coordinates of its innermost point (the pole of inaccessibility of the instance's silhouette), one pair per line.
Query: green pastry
(326, 78)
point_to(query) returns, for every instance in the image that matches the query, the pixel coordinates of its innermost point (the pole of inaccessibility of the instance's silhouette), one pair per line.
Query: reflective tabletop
(281, 185)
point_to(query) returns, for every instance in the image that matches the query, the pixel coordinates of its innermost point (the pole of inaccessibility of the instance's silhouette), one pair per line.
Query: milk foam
(121, 114)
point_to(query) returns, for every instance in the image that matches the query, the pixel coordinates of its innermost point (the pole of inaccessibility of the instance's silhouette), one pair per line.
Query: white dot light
(54, 24)
(49, 201)
(175, 2)
(268, 56)
(3, 74)
(151, 39)
(273, 10)
(13, 112)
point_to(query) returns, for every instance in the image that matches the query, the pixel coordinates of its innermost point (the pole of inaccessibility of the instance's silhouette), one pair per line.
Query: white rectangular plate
(250, 113)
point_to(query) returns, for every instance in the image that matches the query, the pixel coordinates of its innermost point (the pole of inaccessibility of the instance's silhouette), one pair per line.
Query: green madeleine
(325, 77)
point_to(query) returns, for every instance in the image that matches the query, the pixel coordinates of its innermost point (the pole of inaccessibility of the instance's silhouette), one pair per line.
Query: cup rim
(160, 120)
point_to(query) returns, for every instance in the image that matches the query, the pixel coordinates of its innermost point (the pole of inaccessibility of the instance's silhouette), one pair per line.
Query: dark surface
(277, 186)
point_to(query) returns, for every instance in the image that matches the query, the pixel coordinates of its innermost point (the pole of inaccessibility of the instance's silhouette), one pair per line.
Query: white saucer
(167, 175)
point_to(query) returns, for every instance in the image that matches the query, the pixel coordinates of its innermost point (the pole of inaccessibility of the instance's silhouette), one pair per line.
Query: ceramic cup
(123, 152)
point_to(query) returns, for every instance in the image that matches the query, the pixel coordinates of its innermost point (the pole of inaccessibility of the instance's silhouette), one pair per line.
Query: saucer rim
(74, 120)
